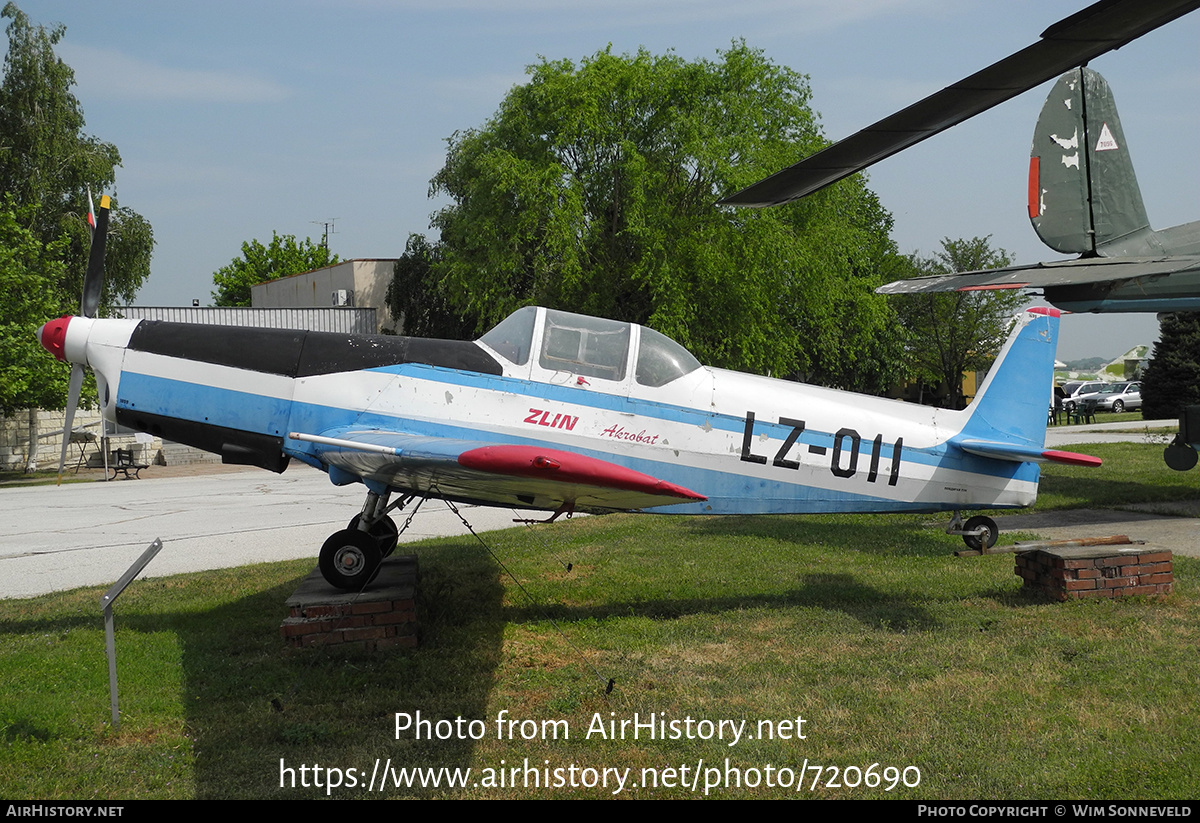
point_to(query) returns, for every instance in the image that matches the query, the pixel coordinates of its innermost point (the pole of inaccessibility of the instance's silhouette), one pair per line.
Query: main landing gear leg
(979, 533)
(350, 558)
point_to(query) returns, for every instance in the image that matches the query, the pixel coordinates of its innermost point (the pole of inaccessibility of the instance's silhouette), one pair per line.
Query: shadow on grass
(894, 535)
(1076, 490)
(258, 712)
(831, 592)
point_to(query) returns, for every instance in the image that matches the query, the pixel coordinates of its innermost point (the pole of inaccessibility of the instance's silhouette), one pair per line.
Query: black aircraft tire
(985, 540)
(383, 530)
(350, 559)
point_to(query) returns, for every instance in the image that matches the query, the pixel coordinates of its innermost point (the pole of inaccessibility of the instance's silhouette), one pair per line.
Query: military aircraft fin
(1083, 193)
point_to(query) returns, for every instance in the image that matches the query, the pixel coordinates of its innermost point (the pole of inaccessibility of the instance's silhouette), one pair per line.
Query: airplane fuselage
(747, 444)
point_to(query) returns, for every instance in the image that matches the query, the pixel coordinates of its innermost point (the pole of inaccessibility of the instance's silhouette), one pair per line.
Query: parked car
(1119, 397)
(1076, 390)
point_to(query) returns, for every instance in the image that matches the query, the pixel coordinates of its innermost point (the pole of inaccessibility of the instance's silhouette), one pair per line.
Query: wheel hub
(349, 559)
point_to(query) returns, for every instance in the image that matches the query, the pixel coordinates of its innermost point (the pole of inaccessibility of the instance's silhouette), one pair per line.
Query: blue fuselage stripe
(728, 491)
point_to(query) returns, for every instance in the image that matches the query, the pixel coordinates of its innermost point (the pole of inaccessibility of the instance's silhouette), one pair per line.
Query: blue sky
(236, 119)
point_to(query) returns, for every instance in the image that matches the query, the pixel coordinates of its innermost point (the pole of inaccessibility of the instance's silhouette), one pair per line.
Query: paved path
(1130, 431)
(1172, 532)
(1162, 526)
(85, 534)
(82, 534)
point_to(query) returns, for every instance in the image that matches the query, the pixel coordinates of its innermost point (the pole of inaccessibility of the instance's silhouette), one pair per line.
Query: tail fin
(1007, 420)
(1083, 193)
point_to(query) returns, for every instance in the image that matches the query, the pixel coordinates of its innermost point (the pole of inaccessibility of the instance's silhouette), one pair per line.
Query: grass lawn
(906, 664)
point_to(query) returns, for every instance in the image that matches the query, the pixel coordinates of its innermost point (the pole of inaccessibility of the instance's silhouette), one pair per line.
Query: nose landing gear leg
(350, 558)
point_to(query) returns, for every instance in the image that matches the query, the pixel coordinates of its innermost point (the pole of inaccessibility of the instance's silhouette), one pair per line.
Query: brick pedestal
(384, 616)
(1066, 573)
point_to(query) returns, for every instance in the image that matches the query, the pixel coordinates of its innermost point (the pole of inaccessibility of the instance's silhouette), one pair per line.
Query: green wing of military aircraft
(1085, 35)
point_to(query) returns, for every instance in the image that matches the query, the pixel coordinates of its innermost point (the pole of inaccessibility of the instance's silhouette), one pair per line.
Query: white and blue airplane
(563, 413)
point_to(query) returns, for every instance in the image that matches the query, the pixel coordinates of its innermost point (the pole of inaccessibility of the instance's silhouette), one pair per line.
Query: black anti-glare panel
(295, 353)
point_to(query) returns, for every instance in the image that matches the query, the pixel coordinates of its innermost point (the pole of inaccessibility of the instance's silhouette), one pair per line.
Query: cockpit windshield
(512, 338)
(589, 347)
(661, 359)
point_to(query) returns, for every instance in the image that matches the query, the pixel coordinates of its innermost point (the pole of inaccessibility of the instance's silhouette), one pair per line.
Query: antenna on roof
(329, 229)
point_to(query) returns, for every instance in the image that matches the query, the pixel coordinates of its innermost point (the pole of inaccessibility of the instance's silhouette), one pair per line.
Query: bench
(123, 462)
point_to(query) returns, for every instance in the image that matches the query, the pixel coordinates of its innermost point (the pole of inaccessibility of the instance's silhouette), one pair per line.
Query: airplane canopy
(589, 346)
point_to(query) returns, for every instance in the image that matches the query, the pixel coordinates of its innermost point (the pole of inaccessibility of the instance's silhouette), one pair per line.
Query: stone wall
(14, 441)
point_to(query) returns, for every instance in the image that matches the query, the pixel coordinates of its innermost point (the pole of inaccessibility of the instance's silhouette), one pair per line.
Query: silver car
(1119, 397)
(1075, 390)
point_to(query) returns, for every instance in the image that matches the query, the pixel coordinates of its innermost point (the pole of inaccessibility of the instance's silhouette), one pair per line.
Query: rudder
(1013, 403)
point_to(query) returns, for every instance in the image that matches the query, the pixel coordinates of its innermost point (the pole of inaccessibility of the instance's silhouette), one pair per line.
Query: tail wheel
(384, 531)
(987, 533)
(350, 559)
(1118, 406)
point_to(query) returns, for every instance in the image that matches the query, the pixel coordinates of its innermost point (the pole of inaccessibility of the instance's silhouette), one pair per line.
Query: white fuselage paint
(692, 430)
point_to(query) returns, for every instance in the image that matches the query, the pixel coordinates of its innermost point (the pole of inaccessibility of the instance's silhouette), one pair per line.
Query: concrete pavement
(1130, 431)
(85, 534)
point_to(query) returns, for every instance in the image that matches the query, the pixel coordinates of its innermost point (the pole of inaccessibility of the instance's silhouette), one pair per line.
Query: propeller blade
(93, 281)
(69, 422)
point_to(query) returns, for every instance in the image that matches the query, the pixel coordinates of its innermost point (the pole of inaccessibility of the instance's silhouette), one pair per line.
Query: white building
(351, 283)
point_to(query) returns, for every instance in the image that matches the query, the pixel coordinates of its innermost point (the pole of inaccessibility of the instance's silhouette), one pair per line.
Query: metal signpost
(106, 602)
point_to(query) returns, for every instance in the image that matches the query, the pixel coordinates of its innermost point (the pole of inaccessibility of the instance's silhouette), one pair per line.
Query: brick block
(382, 617)
(1064, 574)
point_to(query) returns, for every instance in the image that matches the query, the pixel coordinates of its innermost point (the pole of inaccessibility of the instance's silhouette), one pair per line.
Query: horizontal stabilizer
(1024, 454)
(1047, 275)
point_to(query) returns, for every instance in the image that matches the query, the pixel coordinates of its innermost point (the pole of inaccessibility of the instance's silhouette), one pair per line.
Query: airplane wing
(1099, 28)
(521, 476)
(1048, 275)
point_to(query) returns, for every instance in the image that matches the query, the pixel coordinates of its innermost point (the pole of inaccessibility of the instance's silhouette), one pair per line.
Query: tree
(28, 376)
(1172, 378)
(952, 333)
(413, 297)
(260, 263)
(48, 166)
(593, 189)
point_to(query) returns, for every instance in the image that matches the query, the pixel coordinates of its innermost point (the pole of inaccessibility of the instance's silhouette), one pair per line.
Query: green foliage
(260, 263)
(952, 333)
(593, 189)
(1172, 379)
(47, 165)
(413, 295)
(28, 376)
